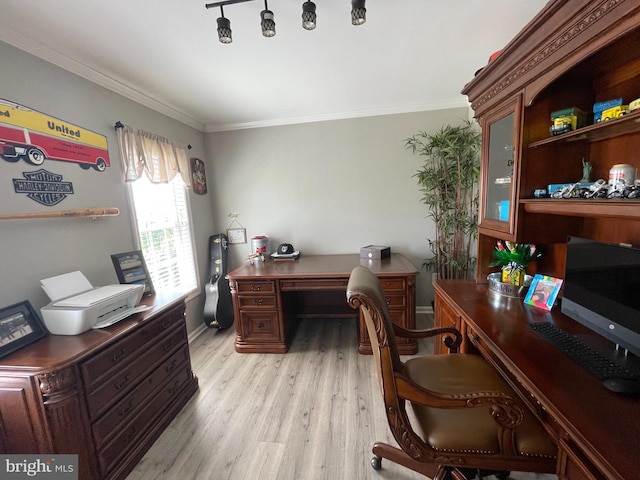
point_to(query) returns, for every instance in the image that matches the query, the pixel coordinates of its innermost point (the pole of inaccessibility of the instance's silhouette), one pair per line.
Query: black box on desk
(375, 252)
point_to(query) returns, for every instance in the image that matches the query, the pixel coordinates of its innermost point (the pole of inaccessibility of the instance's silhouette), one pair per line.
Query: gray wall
(328, 187)
(34, 249)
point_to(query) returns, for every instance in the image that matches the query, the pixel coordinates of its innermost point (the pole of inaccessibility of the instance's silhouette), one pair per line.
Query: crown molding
(373, 112)
(59, 59)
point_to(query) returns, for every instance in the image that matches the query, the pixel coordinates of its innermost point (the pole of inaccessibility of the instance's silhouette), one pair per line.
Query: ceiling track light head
(358, 12)
(267, 21)
(308, 15)
(224, 28)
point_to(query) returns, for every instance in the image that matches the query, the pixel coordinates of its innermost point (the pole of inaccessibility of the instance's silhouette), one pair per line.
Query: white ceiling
(410, 55)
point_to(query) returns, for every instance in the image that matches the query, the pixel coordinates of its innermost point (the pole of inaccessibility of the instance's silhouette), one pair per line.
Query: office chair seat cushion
(469, 429)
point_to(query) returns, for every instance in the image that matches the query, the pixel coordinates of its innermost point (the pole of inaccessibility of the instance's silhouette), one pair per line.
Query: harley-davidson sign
(44, 187)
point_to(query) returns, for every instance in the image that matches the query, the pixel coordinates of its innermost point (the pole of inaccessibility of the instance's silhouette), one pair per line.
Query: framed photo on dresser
(131, 268)
(20, 325)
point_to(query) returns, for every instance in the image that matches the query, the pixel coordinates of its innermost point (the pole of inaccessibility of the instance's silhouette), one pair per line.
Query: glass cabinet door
(499, 167)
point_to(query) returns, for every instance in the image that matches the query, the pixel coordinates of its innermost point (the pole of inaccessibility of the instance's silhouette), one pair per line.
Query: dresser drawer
(257, 301)
(260, 326)
(131, 404)
(121, 352)
(256, 287)
(393, 284)
(121, 381)
(128, 437)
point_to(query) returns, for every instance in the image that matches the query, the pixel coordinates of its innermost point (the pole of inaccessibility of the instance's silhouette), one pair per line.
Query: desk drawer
(257, 301)
(395, 301)
(314, 284)
(255, 286)
(393, 284)
(259, 326)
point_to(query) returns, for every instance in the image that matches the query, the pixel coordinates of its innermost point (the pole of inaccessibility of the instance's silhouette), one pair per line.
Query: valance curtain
(159, 158)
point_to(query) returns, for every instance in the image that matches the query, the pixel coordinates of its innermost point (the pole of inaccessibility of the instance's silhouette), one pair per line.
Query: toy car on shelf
(615, 112)
(600, 107)
(567, 120)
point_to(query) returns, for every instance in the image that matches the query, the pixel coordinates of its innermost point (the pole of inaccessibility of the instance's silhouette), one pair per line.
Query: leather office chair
(470, 421)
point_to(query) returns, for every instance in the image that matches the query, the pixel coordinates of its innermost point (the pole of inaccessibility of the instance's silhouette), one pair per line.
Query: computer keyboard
(585, 356)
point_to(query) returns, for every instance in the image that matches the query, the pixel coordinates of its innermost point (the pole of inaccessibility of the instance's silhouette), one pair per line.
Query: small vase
(513, 274)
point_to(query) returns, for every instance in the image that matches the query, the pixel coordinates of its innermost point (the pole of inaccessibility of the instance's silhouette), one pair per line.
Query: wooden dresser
(105, 395)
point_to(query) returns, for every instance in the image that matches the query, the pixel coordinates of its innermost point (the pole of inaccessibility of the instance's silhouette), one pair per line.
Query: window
(164, 232)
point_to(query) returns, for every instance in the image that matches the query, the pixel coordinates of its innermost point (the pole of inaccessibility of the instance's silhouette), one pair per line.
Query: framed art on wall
(198, 176)
(20, 325)
(131, 268)
(237, 235)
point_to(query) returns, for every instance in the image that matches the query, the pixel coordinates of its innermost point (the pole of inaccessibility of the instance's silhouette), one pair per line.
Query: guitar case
(218, 305)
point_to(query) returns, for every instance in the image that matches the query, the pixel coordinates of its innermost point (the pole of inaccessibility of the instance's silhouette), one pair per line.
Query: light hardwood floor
(311, 414)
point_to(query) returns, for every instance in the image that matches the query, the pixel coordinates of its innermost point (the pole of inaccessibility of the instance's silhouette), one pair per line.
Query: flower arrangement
(513, 258)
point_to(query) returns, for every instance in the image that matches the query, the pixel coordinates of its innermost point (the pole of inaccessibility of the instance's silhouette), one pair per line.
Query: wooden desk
(597, 431)
(269, 296)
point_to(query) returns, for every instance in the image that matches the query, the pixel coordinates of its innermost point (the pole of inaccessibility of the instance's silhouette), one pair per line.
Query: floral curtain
(159, 158)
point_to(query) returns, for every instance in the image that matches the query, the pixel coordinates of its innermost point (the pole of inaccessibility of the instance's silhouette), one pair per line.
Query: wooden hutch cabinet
(105, 395)
(574, 53)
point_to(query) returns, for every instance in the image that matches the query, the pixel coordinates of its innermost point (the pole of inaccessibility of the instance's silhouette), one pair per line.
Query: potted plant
(513, 258)
(448, 181)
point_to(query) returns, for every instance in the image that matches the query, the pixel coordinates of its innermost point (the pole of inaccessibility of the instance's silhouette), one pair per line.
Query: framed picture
(237, 235)
(198, 176)
(20, 325)
(543, 291)
(130, 268)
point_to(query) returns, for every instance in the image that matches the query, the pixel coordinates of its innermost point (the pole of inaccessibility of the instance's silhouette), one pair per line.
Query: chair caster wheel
(376, 462)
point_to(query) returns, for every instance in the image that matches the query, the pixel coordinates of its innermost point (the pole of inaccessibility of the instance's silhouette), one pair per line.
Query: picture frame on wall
(20, 326)
(198, 176)
(131, 269)
(237, 235)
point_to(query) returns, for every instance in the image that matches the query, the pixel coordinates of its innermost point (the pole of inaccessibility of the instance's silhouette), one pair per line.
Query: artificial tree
(448, 180)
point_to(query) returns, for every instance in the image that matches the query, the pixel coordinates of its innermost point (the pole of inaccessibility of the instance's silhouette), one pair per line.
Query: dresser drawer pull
(125, 411)
(255, 288)
(132, 434)
(169, 345)
(119, 356)
(121, 385)
(172, 367)
(166, 324)
(257, 301)
(260, 325)
(175, 387)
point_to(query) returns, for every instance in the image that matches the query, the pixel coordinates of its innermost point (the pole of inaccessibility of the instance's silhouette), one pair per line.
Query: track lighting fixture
(358, 12)
(224, 28)
(267, 22)
(267, 19)
(308, 15)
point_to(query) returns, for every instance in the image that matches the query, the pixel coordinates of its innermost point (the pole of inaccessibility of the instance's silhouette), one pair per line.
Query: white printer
(76, 306)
